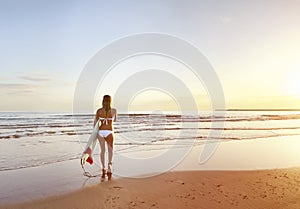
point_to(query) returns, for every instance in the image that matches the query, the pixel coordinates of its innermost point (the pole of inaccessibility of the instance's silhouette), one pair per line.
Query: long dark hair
(106, 103)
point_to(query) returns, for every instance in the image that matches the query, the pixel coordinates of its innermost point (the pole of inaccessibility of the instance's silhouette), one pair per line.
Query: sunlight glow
(159, 101)
(294, 84)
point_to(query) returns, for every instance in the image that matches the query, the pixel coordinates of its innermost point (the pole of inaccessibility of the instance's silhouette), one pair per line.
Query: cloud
(17, 88)
(8, 85)
(35, 78)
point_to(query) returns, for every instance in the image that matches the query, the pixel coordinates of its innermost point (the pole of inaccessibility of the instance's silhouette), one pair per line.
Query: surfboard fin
(87, 157)
(84, 158)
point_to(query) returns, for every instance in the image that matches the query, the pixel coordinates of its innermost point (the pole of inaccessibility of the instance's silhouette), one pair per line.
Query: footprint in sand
(132, 204)
(116, 187)
(220, 188)
(178, 181)
(263, 196)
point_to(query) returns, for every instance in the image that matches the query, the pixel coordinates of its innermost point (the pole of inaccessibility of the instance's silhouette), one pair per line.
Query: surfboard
(90, 146)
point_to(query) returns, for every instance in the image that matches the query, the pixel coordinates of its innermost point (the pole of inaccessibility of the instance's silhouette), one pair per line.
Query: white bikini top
(106, 119)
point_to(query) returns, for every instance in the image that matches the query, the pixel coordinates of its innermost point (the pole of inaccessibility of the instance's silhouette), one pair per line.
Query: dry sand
(188, 189)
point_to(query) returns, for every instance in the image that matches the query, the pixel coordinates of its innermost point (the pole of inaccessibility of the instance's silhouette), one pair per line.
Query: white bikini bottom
(104, 133)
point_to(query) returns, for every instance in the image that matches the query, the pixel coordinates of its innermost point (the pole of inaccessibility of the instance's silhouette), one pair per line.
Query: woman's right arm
(115, 118)
(96, 117)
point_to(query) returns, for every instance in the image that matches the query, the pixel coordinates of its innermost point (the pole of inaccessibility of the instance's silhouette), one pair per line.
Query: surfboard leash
(88, 174)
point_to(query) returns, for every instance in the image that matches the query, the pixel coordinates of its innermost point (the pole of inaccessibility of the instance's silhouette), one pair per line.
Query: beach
(255, 163)
(193, 189)
(214, 184)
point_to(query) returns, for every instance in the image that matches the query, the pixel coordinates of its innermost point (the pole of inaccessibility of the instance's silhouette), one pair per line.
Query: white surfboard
(90, 146)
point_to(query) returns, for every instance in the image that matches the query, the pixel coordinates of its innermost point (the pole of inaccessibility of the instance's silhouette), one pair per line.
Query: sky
(253, 46)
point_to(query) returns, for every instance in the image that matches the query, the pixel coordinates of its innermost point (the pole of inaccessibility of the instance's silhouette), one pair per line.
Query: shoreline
(61, 180)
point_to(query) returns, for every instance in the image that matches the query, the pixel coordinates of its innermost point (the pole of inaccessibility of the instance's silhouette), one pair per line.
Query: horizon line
(259, 109)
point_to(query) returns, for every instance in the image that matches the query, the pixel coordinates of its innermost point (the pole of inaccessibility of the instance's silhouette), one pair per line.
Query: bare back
(106, 118)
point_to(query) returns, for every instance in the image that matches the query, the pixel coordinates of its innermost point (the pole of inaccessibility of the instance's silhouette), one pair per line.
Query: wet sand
(255, 183)
(188, 189)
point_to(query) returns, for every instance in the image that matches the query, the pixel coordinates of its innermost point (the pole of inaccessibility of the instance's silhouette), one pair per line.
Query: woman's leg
(110, 144)
(102, 151)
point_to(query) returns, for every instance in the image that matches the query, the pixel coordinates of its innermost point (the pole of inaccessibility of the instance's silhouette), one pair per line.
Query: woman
(107, 116)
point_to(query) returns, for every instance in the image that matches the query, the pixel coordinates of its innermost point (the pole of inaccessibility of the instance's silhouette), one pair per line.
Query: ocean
(29, 139)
